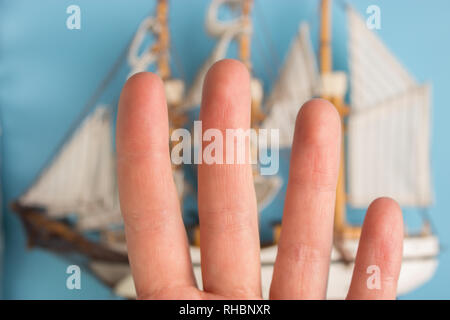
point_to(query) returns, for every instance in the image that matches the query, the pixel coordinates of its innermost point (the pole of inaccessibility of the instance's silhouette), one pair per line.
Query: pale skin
(158, 248)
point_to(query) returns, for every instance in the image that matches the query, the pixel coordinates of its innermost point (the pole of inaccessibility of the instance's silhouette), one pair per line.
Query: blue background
(47, 73)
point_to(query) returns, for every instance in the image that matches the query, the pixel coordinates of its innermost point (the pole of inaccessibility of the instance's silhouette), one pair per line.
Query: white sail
(298, 82)
(376, 74)
(81, 179)
(388, 127)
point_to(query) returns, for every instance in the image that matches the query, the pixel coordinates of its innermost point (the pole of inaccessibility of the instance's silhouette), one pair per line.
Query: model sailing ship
(388, 152)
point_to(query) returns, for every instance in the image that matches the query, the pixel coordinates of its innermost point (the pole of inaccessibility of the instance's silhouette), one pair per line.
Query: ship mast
(244, 39)
(341, 227)
(161, 47)
(326, 59)
(245, 57)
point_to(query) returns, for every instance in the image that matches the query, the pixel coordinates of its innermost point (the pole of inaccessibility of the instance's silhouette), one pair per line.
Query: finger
(302, 263)
(379, 256)
(227, 206)
(156, 238)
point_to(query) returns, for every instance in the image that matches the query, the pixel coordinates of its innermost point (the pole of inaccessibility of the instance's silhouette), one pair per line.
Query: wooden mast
(244, 39)
(161, 48)
(163, 41)
(325, 38)
(245, 56)
(341, 227)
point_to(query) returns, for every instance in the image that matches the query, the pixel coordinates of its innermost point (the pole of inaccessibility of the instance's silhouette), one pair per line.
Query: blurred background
(49, 72)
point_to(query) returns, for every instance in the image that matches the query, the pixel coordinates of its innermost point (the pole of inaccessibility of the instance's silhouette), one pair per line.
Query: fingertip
(147, 79)
(384, 218)
(318, 122)
(142, 113)
(380, 252)
(141, 88)
(227, 70)
(385, 202)
(382, 236)
(226, 92)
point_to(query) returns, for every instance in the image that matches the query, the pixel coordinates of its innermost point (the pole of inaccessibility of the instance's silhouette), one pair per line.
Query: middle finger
(227, 206)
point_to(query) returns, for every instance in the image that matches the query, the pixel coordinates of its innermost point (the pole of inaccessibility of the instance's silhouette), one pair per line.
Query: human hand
(157, 243)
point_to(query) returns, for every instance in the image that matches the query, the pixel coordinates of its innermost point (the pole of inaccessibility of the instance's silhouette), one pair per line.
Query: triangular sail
(298, 82)
(81, 179)
(388, 142)
(375, 72)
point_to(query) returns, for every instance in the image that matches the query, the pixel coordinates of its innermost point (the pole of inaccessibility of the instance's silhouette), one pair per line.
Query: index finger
(156, 238)
(227, 204)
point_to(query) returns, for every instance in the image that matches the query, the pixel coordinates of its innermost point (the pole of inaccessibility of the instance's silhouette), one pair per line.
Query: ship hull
(418, 266)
